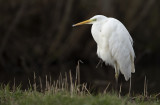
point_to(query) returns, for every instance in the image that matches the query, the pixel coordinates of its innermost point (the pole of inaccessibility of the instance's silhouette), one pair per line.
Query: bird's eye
(94, 19)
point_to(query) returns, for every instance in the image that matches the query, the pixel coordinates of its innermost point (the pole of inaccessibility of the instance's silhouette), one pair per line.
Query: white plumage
(114, 44)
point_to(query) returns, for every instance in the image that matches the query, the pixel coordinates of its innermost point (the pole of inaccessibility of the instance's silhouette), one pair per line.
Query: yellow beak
(83, 22)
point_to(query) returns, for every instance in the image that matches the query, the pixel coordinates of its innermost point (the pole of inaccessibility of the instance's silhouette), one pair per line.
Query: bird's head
(92, 20)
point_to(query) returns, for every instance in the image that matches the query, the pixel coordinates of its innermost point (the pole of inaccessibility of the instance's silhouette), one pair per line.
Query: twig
(104, 92)
(100, 62)
(145, 87)
(120, 90)
(78, 72)
(71, 84)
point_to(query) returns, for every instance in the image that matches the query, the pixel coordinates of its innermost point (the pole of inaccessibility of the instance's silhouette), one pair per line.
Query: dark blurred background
(37, 36)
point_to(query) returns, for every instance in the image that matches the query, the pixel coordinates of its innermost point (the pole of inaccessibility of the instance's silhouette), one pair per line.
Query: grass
(62, 97)
(66, 92)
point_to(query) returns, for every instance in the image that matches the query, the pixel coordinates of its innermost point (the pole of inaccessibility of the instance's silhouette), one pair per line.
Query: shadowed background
(37, 36)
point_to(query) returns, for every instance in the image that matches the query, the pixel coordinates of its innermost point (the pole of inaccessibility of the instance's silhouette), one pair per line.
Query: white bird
(114, 44)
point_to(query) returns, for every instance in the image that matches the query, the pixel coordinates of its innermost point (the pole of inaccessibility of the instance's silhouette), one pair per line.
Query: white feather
(114, 44)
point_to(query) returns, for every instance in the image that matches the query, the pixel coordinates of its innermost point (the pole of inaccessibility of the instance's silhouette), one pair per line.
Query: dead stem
(120, 90)
(104, 92)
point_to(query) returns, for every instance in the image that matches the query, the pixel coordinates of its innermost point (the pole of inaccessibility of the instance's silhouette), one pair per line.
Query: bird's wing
(120, 46)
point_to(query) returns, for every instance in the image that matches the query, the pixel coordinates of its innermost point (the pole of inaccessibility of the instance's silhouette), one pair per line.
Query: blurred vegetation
(37, 36)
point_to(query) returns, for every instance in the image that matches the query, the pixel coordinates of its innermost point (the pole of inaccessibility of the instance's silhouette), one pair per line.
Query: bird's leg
(116, 77)
(116, 74)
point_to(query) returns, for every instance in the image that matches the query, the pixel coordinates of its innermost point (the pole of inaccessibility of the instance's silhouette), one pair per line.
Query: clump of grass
(68, 91)
(20, 97)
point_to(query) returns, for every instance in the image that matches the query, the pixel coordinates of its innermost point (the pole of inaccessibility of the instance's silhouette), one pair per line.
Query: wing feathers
(120, 45)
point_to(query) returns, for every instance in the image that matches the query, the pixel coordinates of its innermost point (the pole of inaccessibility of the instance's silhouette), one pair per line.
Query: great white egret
(114, 44)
